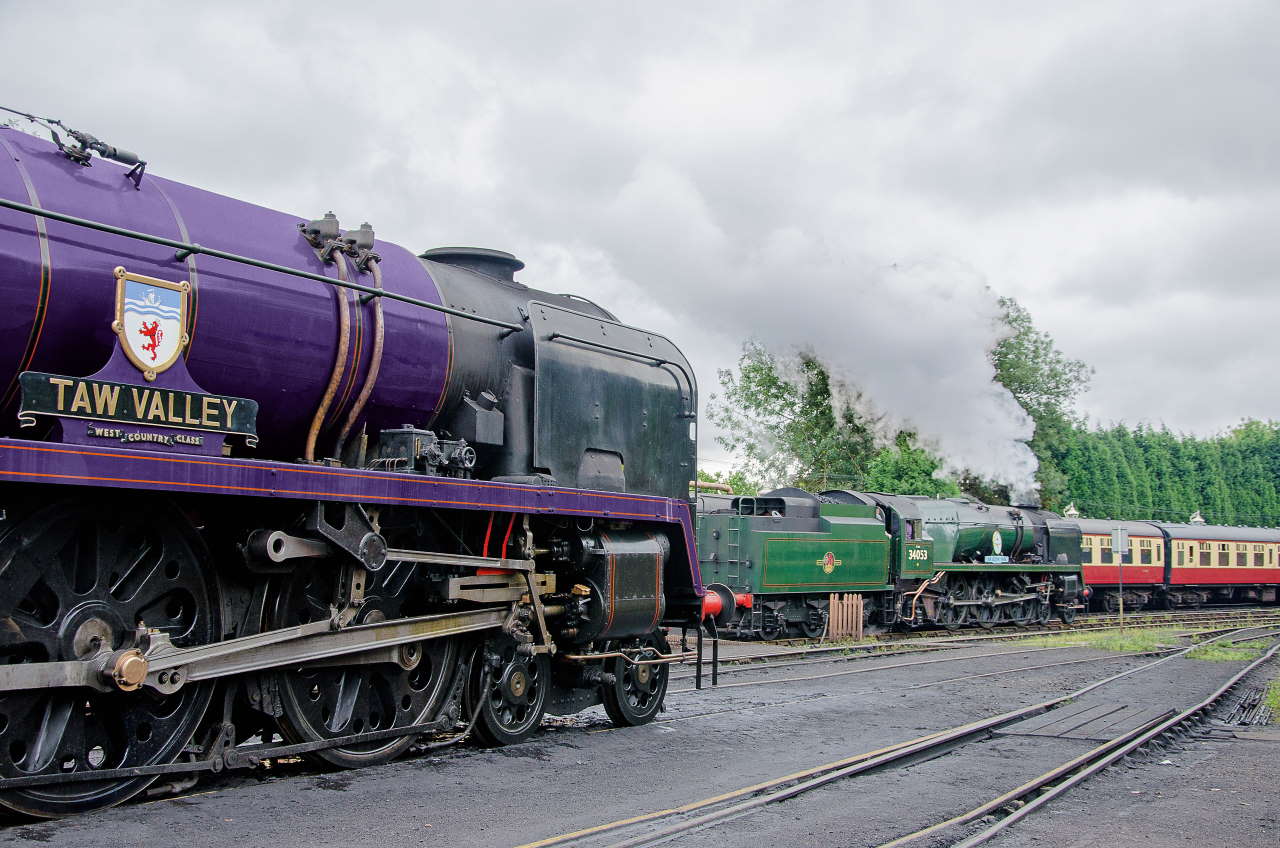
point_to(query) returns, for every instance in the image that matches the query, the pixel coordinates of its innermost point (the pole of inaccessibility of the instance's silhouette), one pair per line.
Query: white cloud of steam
(907, 343)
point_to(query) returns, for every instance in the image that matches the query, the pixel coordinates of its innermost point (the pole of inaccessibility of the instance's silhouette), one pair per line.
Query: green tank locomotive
(777, 558)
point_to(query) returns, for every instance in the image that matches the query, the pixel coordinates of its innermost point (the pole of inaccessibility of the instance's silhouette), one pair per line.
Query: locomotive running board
(169, 668)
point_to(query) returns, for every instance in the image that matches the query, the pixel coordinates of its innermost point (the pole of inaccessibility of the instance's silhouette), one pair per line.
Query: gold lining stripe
(46, 279)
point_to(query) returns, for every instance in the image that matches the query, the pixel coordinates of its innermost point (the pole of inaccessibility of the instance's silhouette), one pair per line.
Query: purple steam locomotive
(272, 487)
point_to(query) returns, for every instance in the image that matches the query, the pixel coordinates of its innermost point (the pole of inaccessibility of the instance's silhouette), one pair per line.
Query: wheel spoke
(64, 555)
(27, 632)
(350, 685)
(324, 702)
(48, 739)
(636, 696)
(140, 565)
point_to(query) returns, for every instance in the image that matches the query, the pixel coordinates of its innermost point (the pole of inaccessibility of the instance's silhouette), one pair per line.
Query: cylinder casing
(624, 570)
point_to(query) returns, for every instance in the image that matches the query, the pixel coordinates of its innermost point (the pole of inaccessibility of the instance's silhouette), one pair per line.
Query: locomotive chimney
(497, 264)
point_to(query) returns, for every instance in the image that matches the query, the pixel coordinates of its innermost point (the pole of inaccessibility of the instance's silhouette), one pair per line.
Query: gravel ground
(579, 772)
(1219, 788)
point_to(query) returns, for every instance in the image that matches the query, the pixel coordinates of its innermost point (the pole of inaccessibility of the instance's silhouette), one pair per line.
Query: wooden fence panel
(844, 616)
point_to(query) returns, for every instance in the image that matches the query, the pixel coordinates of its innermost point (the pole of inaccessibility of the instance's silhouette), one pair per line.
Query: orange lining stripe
(303, 492)
(330, 473)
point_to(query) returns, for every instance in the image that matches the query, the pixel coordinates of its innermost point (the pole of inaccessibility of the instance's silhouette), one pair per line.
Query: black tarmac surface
(580, 772)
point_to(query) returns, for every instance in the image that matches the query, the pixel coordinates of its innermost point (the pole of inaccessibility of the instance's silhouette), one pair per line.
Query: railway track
(288, 766)
(1023, 800)
(663, 825)
(1083, 622)
(737, 656)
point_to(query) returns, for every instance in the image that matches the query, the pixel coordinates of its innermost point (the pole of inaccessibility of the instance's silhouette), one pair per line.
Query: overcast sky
(859, 178)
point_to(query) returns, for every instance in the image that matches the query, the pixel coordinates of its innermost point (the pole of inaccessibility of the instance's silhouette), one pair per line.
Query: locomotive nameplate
(128, 403)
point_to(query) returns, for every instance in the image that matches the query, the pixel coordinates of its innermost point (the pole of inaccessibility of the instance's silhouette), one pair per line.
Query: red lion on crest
(153, 332)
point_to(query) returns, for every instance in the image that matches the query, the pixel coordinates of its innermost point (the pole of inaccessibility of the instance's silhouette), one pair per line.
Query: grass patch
(1272, 700)
(1217, 652)
(1137, 640)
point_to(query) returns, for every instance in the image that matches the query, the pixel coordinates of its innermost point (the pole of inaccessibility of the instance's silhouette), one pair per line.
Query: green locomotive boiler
(777, 557)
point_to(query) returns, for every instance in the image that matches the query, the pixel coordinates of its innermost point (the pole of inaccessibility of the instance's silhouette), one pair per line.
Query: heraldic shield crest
(151, 320)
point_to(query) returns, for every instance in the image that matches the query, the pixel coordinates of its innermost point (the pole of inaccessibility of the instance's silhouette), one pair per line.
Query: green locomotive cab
(916, 561)
(784, 553)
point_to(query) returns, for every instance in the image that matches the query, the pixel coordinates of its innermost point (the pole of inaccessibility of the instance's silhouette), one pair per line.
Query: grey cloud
(858, 179)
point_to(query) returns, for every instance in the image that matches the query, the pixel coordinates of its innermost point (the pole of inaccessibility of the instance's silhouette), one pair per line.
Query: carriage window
(1206, 554)
(1086, 550)
(1224, 553)
(1182, 554)
(1258, 560)
(1144, 551)
(1242, 556)
(1106, 553)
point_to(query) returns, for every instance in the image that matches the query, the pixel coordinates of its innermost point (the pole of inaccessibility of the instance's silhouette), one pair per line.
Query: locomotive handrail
(186, 250)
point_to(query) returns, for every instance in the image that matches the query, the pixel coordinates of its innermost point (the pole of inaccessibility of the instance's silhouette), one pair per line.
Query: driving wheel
(402, 688)
(77, 578)
(510, 690)
(636, 694)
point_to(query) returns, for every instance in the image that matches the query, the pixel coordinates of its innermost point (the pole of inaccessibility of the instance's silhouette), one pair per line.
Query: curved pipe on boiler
(375, 363)
(339, 364)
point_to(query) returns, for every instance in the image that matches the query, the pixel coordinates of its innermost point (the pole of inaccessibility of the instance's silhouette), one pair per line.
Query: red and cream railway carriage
(1179, 565)
(1209, 564)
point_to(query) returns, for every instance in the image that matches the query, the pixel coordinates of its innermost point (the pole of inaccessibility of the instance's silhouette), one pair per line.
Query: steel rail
(929, 642)
(1028, 787)
(805, 678)
(186, 249)
(1093, 621)
(870, 669)
(751, 662)
(801, 782)
(741, 667)
(1111, 756)
(943, 682)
